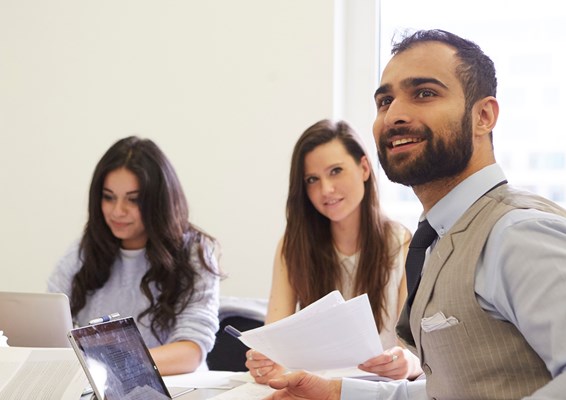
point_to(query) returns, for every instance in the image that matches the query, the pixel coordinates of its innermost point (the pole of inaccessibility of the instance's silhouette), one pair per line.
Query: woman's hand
(395, 363)
(262, 368)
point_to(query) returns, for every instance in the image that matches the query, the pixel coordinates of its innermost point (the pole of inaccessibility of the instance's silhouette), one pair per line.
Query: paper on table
(328, 334)
(248, 391)
(203, 379)
(354, 373)
(40, 373)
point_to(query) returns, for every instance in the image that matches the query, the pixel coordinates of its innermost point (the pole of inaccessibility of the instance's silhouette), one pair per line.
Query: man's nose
(398, 113)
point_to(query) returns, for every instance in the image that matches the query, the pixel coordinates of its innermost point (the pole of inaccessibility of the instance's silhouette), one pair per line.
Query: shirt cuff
(360, 389)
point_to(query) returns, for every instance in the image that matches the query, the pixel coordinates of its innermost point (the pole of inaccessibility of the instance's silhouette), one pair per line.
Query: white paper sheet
(203, 379)
(329, 334)
(40, 373)
(248, 391)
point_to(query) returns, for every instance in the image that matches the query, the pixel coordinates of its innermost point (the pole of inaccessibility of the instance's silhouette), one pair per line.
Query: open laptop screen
(117, 361)
(35, 319)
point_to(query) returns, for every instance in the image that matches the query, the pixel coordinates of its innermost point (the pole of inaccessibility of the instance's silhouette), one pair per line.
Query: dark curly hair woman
(140, 256)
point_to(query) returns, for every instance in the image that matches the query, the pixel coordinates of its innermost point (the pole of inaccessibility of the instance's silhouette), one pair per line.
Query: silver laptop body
(35, 319)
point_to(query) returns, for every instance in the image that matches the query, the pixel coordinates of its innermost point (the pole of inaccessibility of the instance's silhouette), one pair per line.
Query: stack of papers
(329, 334)
(40, 373)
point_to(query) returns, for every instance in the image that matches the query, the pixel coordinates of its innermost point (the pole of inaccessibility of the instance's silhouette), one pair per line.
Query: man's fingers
(279, 383)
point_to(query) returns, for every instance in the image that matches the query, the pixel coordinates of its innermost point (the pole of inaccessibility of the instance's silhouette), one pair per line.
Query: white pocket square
(437, 321)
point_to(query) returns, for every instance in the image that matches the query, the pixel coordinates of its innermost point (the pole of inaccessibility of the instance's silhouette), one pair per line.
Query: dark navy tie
(423, 238)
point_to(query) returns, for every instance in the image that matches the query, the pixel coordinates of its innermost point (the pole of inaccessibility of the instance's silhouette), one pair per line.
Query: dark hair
(165, 216)
(476, 70)
(307, 244)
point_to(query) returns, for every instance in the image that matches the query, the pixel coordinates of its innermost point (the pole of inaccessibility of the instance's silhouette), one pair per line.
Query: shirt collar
(444, 214)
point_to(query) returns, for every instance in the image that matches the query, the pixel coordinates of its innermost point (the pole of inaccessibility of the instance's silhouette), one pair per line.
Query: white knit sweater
(198, 322)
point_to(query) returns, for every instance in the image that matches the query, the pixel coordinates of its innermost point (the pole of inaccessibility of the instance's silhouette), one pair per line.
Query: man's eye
(383, 101)
(425, 93)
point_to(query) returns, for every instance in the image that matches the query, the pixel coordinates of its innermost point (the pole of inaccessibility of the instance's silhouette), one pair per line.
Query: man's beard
(444, 156)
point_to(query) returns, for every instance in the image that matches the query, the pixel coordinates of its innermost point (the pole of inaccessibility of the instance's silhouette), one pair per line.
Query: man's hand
(303, 385)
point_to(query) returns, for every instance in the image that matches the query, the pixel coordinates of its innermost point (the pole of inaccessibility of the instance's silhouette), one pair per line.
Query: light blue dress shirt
(521, 278)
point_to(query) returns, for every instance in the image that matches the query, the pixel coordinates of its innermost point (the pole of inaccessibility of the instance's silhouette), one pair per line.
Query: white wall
(224, 87)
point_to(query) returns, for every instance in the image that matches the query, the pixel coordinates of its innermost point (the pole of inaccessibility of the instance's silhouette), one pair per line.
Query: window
(547, 161)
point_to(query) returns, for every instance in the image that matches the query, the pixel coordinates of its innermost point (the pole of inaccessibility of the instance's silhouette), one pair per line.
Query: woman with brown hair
(140, 256)
(337, 237)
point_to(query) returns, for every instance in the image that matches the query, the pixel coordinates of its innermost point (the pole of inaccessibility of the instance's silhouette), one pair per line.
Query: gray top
(198, 322)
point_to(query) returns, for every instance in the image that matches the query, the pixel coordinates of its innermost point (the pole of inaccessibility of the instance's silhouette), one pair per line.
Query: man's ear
(486, 111)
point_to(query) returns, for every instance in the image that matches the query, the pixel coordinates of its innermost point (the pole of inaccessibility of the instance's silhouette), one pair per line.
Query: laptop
(35, 319)
(118, 364)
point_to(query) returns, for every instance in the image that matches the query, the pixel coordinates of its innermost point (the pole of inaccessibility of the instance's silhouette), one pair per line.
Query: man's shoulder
(515, 198)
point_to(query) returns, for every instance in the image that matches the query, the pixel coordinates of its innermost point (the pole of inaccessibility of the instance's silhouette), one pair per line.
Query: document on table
(328, 334)
(40, 373)
(248, 391)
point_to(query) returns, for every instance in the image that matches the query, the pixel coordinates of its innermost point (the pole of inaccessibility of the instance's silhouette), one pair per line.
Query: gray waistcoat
(481, 357)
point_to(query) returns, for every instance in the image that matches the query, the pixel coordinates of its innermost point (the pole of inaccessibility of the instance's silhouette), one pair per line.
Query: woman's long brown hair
(165, 216)
(308, 248)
